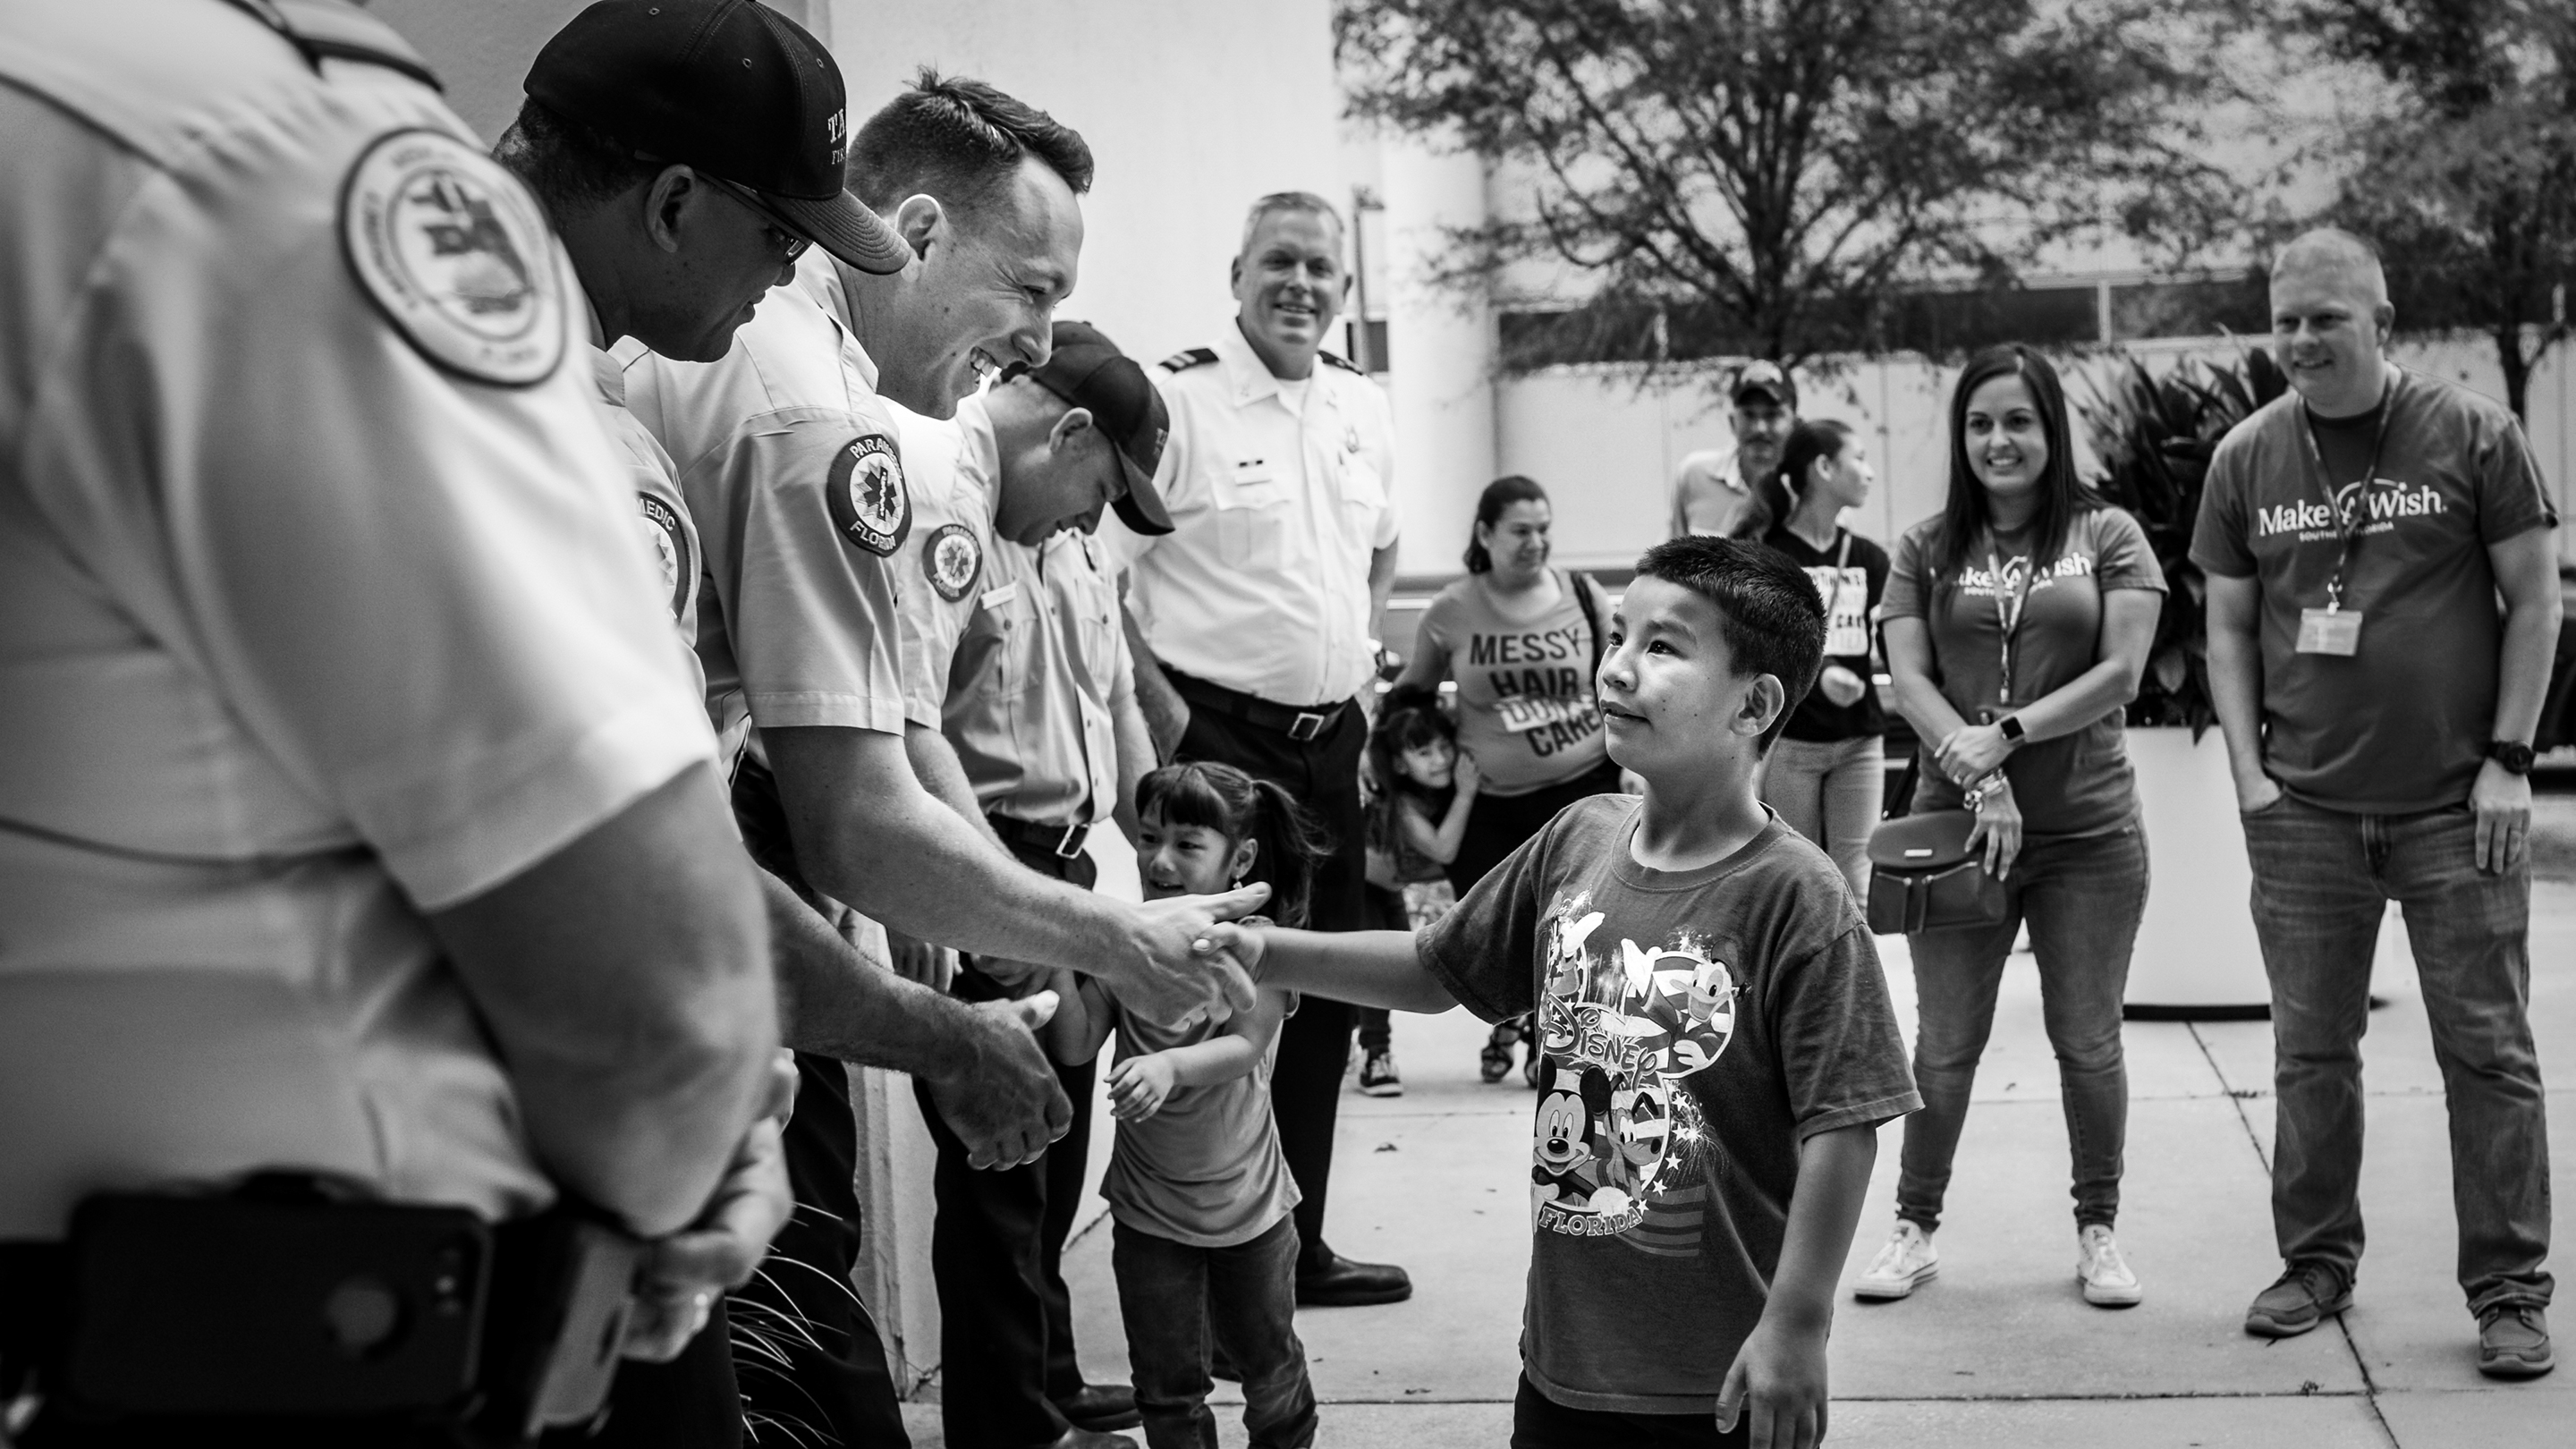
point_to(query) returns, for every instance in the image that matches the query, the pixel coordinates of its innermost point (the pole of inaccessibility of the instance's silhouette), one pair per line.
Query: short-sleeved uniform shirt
(1526, 708)
(1015, 653)
(320, 609)
(1697, 1027)
(2076, 784)
(1851, 577)
(670, 537)
(791, 468)
(1278, 495)
(2401, 725)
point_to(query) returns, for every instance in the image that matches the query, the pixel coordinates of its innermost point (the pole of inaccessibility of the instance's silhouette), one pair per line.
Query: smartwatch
(2010, 727)
(2514, 755)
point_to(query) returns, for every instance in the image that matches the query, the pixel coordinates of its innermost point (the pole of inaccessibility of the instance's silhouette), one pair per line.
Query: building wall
(1606, 448)
(1192, 110)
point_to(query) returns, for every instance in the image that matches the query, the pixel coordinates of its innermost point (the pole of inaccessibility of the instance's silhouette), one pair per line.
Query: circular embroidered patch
(457, 256)
(670, 544)
(866, 494)
(952, 558)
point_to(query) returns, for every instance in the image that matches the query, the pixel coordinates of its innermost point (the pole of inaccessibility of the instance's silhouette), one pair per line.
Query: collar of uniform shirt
(981, 457)
(818, 276)
(1250, 375)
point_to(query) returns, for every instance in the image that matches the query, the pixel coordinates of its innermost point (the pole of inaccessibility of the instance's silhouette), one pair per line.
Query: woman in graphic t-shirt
(1523, 641)
(1825, 774)
(2017, 626)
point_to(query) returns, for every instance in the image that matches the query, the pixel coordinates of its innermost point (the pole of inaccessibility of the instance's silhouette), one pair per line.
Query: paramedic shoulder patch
(456, 255)
(866, 494)
(670, 545)
(952, 558)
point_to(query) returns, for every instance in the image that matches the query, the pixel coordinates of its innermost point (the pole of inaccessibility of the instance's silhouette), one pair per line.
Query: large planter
(2196, 955)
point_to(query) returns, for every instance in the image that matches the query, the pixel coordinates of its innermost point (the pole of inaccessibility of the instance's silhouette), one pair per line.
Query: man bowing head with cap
(1021, 709)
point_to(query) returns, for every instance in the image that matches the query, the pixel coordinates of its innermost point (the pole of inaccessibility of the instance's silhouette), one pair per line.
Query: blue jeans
(2083, 898)
(1830, 793)
(2322, 883)
(1171, 1295)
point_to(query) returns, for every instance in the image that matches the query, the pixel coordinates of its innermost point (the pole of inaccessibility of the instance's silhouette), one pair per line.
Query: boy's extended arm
(1082, 1017)
(1781, 1368)
(1365, 968)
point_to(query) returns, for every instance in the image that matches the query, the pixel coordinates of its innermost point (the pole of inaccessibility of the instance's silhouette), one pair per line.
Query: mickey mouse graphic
(1571, 1142)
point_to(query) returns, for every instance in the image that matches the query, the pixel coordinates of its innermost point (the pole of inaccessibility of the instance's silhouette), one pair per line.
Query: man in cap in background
(684, 185)
(1022, 713)
(794, 473)
(1713, 491)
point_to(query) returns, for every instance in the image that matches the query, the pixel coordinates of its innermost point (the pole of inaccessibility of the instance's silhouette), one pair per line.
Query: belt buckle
(1070, 845)
(1308, 724)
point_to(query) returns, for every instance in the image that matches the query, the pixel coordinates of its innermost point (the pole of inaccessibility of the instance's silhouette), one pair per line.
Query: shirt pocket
(1363, 495)
(1006, 629)
(1252, 516)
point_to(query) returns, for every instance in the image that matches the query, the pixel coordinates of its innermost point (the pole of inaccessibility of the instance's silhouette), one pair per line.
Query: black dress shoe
(1101, 1408)
(1079, 1437)
(1328, 1280)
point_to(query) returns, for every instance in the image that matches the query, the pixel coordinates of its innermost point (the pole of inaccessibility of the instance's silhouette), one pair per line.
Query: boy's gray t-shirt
(1206, 1170)
(2402, 725)
(1697, 1027)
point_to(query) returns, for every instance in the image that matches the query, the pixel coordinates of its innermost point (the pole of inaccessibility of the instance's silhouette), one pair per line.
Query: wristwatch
(2514, 755)
(2010, 727)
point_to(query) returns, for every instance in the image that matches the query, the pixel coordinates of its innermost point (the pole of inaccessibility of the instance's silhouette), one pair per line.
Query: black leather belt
(1063, 841)
(1301, 725)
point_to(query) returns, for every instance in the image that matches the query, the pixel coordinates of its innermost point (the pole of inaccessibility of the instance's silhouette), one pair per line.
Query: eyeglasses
(782, 234)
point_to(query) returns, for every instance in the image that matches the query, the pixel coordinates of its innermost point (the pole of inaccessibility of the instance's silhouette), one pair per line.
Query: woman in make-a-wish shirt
(2017, 626)
(1523, 641)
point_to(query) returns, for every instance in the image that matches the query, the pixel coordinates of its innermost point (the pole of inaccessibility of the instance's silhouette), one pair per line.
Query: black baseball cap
(731, 88)
(1088, 371)
(1762, 378)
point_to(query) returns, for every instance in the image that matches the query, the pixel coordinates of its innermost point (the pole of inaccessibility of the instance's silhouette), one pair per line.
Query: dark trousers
(1539, 1422)
(1173, 1296)
(1497, 825)
(2322, 883)
(1006, 1348)
(1315, 1044)
(806, 1352)
(692, 1402)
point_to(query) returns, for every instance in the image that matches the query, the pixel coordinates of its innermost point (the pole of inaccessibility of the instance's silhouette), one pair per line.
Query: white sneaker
(1905, 1264)
(2107, 1281)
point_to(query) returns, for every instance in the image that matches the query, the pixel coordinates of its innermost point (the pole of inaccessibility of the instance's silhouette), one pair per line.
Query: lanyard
(2008, 619)
(2348, 520)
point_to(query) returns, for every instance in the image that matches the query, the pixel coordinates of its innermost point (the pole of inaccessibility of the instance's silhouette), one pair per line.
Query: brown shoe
(2300, 1299)
(2513, 1342)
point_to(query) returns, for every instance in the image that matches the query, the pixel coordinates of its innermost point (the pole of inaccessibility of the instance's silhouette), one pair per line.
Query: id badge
(2329, 631)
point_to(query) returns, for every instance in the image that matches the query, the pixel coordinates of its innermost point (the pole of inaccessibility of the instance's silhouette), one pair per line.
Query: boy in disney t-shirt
(1719, 1047)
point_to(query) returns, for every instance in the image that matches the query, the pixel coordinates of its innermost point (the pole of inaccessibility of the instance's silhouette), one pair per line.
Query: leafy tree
(2469, 186)
(1773, 169)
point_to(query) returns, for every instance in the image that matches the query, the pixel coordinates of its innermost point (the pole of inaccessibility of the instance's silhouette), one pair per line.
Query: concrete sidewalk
(2001, 1350)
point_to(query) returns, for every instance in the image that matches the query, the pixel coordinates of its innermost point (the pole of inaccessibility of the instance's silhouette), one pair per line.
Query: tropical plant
(2153, 436)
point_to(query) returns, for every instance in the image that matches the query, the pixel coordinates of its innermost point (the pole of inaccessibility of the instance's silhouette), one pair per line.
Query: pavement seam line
(2369, 1386)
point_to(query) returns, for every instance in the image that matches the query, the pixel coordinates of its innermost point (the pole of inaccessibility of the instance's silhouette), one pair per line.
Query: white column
(1441, 346)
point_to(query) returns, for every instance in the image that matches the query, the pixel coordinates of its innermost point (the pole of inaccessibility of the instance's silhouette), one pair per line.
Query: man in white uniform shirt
(792, 468)
(674, 253)
(1256, 619)
(357, 821)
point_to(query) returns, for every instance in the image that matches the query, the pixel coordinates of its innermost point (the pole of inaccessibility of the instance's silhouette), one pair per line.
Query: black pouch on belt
(294, 1295)
(1923, 877)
